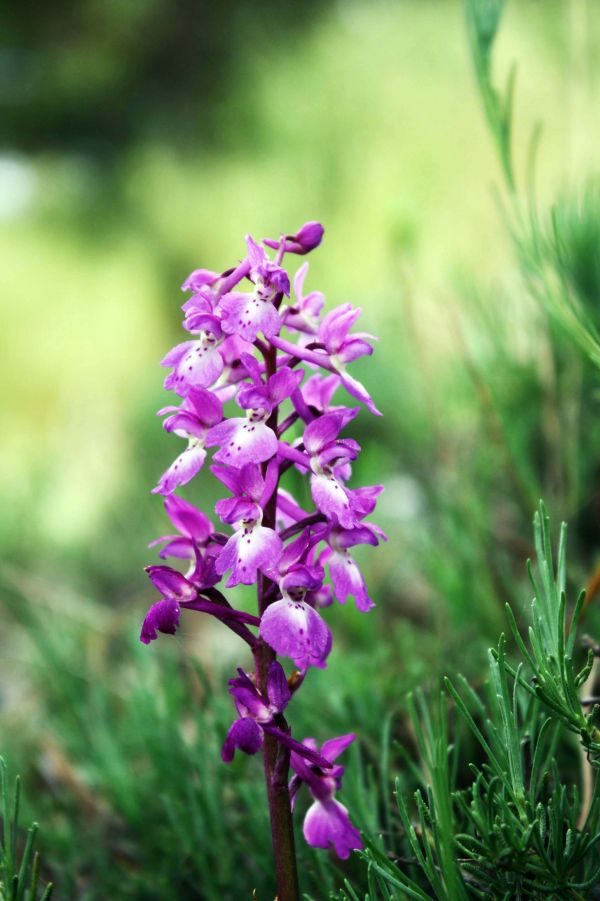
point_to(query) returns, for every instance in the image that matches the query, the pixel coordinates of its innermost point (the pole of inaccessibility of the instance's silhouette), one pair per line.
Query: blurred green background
(143, 139)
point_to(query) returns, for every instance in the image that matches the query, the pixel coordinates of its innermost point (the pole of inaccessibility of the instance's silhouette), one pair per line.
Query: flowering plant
(269, 351)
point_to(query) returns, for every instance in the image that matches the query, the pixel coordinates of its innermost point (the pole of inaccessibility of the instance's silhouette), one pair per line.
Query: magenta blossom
(177, 593)
(194, 542)
(252, 547)
(327, 823)
(326, 452)
(192, 420)
(259, 714)
(343, 348)
(291, 626)
(303, 316)
(249, 439)
(345, 574)
(248, 314)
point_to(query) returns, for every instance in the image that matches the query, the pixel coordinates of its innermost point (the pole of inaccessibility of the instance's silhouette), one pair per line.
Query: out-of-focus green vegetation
(364, 115)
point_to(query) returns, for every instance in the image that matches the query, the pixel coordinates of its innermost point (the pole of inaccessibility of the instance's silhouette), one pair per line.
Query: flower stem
(276, 756)
(277, 763)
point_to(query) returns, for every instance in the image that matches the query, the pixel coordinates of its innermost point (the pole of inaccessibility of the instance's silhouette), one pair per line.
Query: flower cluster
(257, 381)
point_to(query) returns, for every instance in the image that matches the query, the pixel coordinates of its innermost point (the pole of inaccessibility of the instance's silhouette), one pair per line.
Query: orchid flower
(296, 551)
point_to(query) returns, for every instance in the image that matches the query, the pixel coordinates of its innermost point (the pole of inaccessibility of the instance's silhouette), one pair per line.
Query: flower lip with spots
(249, 439)
(290, 625)
(248, 314)
(198, 363)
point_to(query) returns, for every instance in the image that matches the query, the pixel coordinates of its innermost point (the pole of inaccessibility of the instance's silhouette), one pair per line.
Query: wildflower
(258, 714)
(326, 450)
(303, 316)
(198, 363)
(192, 420)
(252, 547)
(249, 439)
(327, 822)
(345, 574)
(178, 592)
(248, 314)
(343, 348)
(236, 352)
(194, 541)
(291, 626)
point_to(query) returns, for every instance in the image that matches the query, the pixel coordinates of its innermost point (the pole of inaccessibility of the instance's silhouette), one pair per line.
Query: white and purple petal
(348, 580)
(293, 629)
(242, 441)
(247, 315)
(247, 551)
(199, 367)
(332, 499)
(327, 824)
(181, 470)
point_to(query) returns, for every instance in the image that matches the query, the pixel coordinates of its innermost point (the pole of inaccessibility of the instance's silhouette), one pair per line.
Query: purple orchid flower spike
(306, 239)
(192, 420)
(236, 352)
(327, 822)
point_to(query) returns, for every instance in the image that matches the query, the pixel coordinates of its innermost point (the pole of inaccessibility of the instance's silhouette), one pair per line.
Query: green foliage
(483, 20)
(138, 803)
(520, 828)
(19, 878)
(559, 250)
